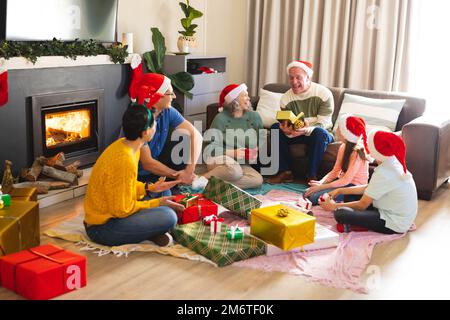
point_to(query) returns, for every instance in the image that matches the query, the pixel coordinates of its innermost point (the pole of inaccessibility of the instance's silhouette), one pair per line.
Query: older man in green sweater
(316, 102)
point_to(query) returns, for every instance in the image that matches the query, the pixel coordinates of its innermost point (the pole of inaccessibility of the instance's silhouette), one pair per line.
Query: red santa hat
(383, 145)
(353, 128)
(3, 83)
(149, 87)
(230, 93)
(304, 65)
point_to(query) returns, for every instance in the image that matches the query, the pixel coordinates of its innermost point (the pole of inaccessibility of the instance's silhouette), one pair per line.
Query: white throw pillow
(379, 114)
(268, 106)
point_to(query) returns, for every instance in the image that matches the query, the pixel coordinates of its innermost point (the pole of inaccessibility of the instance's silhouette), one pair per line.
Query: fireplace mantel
(20, 63)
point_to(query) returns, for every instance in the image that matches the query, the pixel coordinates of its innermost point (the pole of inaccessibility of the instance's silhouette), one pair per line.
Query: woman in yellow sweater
(115, 212)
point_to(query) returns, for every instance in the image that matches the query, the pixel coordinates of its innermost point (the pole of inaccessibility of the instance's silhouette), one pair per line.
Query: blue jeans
(314, 198)
(317, 145)
(136, 228)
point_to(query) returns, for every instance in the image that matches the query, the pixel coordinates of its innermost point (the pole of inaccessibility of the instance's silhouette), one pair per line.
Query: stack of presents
(33, 271)
(272, 230)
(47, 271)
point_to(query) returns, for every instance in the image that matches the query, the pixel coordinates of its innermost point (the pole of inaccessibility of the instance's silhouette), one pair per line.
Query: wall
(221, 30)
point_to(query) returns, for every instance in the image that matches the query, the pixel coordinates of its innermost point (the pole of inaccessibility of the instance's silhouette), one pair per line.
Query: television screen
(37, 20)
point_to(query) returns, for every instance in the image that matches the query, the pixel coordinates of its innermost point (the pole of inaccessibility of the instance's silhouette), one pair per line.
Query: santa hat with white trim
(384, 144)
(230, 93)
(148, 87)
(304, 65)
(353, 128)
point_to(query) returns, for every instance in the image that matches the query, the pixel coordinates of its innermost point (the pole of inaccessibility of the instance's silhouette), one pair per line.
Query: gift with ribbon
(235, 233)
(203, 208)
(324, 198)
(5, 199)
(215, 226)
(19, 227)
(43, 272)
(190, 200)
(282, 227)
(231, 197)
(304, 204)
(216, 246)
(209, 219)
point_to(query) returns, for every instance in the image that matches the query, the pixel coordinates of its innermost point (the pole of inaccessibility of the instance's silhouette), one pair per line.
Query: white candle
(127, 39)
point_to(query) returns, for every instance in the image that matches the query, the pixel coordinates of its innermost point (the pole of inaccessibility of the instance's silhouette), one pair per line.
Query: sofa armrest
(428, 153)
(213, 109)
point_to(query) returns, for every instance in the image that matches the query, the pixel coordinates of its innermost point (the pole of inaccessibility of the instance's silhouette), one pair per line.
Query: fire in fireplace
(69, 122)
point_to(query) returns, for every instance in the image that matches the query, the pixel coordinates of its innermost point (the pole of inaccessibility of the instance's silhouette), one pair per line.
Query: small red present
(43, 272)
(212, 218)
(192, 214)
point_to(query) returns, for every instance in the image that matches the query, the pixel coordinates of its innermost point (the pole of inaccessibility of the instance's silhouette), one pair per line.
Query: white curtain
(430, 59)
(360, 44)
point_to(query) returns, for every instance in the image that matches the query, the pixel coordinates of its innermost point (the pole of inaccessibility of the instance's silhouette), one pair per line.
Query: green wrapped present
(235, 233)
(217, 247)
(6, 199)
(231, 197)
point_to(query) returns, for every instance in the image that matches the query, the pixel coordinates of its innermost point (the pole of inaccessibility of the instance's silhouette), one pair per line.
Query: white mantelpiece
(18, 63)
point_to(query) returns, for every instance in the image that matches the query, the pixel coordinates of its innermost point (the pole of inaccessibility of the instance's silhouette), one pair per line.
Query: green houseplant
(182, 81)
(187, 40)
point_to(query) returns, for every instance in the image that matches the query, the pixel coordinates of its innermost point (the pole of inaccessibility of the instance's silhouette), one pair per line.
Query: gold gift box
(19, 227)
(293, 231)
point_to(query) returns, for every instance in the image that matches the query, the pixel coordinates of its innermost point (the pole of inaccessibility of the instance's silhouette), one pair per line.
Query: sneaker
(282, 177)
(163, 240)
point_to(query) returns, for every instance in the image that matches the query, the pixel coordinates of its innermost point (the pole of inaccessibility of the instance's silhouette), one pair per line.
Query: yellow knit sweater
(113, 190)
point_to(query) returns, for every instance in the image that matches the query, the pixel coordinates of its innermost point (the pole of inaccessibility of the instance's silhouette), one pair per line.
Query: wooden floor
(415, 267)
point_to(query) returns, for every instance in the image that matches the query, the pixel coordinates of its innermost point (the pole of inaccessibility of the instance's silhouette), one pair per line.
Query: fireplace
(69, 122)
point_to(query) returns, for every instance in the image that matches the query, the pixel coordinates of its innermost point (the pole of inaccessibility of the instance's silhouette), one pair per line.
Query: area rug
(340, 267)
(73, 231)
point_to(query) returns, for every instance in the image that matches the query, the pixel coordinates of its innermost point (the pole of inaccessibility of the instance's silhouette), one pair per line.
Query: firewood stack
(50, 174)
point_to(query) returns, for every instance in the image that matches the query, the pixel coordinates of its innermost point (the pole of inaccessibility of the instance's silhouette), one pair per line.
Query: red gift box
(43, 272)
(192, 214)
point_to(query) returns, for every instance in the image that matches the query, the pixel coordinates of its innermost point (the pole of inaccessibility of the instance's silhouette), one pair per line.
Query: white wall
(221, 30)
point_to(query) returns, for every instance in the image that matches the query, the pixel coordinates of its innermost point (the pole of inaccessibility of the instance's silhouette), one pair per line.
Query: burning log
(59, 175)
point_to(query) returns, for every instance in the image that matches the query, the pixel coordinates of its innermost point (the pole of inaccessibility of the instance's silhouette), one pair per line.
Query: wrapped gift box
(217, 247)
(197, 212)
(19, 227)
(231, 197)
(324, 239)
(43, 273)
(24, 194)
(294, 230)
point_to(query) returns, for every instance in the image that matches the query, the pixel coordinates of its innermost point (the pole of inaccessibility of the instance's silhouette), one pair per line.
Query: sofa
(427, 140)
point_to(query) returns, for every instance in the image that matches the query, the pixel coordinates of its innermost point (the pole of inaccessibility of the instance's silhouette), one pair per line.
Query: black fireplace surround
(87, 149)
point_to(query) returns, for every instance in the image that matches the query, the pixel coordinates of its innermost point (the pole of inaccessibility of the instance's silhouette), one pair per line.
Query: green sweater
(235, 133)
(316, 103)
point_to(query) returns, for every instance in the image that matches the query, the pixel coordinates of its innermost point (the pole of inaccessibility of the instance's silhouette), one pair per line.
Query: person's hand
(286, 128)
(328, 205)
(161, 185)
(335, 193)
(167, 202)
(185, 176)
(314, 189)
(299, 132)
(313, 183)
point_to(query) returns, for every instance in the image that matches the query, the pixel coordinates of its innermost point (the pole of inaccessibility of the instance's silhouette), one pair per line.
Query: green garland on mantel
(35, 49)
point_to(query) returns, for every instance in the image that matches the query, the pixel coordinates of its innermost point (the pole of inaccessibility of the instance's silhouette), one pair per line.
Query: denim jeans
(317, 145)
(136, 228)
(314, 198)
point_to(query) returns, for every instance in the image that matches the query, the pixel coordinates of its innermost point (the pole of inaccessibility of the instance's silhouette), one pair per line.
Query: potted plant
(181, 81)
(187, 40)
